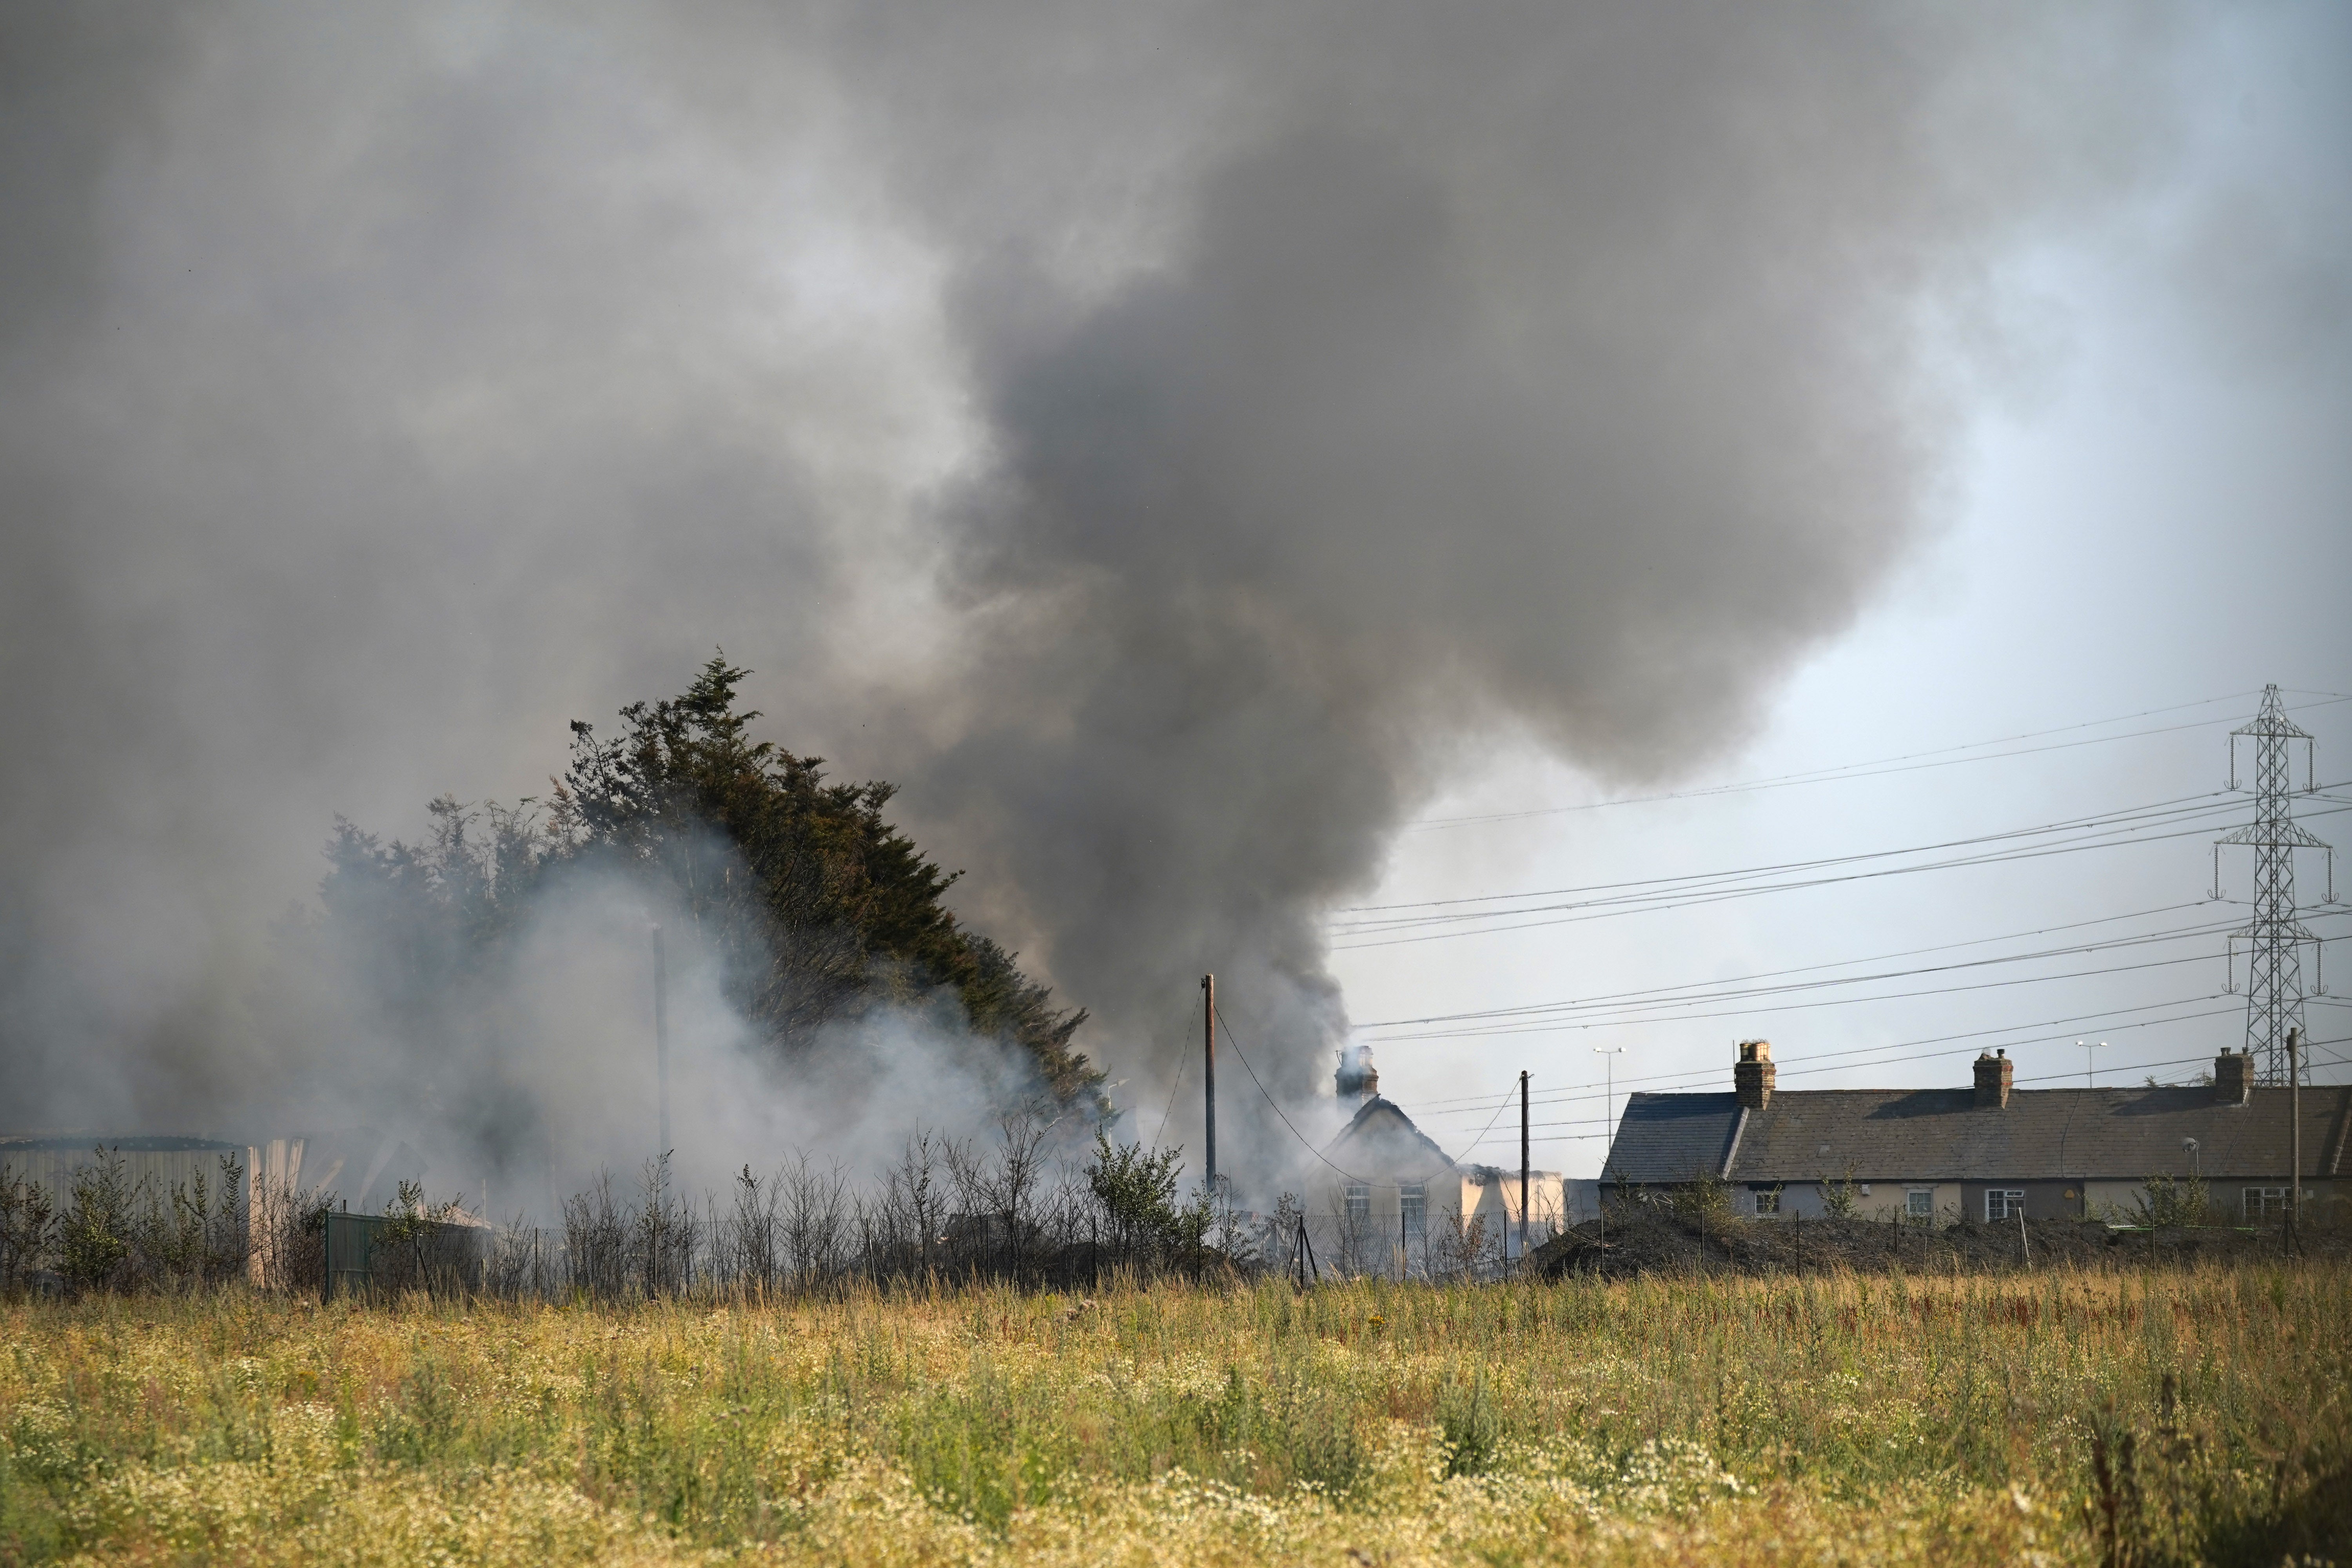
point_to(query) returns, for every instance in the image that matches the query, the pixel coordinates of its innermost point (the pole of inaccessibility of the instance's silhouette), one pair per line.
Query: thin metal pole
(1523, 1166)
(661, 1038)
(2295, 1136)
(1209, 1072)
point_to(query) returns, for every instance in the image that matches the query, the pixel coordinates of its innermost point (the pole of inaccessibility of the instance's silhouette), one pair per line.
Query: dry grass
(2069, 1417)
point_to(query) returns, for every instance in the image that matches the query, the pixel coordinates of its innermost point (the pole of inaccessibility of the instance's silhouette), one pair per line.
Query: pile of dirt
(1635, 1239)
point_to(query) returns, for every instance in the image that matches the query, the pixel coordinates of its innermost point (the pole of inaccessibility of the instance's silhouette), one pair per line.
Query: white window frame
(1355, 1200)
(1413, 1205)
(1768, 1200)
(1919, 1202)
(2004, 1203)
(2262, 1204)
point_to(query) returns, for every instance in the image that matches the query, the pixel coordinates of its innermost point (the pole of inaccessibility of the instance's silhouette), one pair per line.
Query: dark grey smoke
(1165, 438)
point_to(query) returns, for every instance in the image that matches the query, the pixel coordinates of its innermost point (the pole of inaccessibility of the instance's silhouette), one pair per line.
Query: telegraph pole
(2274, 938)
(1523, 1166)
(1209, 1073)
(661, 1038)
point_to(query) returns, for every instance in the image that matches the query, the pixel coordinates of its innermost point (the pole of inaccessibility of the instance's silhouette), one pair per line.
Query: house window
(1919, 1202)
(1358, 1200)
(1413, 1198)
(1768, 1201)
(2004, 1204)
(2265, 1204)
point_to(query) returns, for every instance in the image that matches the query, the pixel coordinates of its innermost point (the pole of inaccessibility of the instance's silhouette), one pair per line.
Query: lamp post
(2090, 1078)
(1609, 1055)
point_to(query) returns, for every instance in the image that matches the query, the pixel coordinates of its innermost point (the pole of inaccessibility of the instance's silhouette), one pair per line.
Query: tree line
(818, 908)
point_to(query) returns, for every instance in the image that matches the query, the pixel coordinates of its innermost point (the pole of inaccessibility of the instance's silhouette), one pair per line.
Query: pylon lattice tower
(2274, 938)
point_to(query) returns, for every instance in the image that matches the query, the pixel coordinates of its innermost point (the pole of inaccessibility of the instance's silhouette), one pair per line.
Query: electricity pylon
(2274, 938)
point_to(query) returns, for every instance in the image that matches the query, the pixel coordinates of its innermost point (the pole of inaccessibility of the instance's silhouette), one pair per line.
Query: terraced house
(1990, 1152)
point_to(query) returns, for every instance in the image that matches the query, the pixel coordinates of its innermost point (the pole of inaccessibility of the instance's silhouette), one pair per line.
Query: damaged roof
(1381, 1125)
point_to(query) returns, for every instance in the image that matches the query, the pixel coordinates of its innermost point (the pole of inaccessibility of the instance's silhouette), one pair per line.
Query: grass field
(2065, 1417)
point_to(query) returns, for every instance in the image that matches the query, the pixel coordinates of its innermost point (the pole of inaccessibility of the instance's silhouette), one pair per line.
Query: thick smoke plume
(1161, 438)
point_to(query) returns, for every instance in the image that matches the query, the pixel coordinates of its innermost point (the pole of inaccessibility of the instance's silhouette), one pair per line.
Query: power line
(1624, 1021)
(1605, 909)
(1636, 1014)
(1906, 762)
(2112, 824)
(2185, 804)
(2075, 1020)
(1228, 1032)
(1812, 1069)
(1741, 986)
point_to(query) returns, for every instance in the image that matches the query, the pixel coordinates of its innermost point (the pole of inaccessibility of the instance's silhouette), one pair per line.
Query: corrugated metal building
(161, 1163)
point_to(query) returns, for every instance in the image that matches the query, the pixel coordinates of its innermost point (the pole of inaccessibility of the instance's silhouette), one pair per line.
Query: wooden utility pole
(661, 1040)
(1209, 1073)
(1523, 1166)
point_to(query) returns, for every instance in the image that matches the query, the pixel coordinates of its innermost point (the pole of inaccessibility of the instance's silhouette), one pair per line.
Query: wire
(1688, 1075)
(1183, 1060)
(1619, 1020)
(2188, 803)
(1491, 1121)
(1811, 1070)
(1227, 1030)
(1897, 764)
(1634, 904)
(1726, 989)
(2114, 826)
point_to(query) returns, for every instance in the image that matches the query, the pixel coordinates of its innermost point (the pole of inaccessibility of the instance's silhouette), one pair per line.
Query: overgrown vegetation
(818, 907)
(115, 1233)
(2152, 1418)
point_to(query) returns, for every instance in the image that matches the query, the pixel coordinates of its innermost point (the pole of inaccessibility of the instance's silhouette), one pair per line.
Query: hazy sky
(1186, 447)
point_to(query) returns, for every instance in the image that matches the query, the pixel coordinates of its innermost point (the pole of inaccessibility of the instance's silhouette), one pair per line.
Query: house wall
(2324, 1202)
(1374, 1246)
(2044, 1200)
(1882, 1201)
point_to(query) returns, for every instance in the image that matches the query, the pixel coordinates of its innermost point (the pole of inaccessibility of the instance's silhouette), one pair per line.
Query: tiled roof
(1673, 1137)
(1939, 1134)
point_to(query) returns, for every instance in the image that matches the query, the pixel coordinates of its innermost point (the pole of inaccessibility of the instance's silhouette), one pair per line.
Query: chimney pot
(1752, 1075)
(2233, 1077)
(1994, 1074)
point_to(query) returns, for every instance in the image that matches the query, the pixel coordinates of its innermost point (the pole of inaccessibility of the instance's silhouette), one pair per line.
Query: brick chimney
(1994, 1074)
(2233, 1077)
(1357, 1078)
(1752, 1075)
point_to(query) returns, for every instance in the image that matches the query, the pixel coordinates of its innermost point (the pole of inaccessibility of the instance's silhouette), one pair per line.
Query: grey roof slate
(1939, 1134)
(1671, 1137)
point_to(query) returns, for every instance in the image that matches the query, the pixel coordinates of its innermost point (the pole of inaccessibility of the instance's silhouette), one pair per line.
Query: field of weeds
(2176, 1415)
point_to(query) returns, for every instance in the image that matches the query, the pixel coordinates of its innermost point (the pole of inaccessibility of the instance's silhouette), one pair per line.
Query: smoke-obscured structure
(1162, 440)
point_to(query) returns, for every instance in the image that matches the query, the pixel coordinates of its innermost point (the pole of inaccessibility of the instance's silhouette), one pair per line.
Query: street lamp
(1608, 1055)
(2195, 1173)
(2090, 1080)
(1609, 1098)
